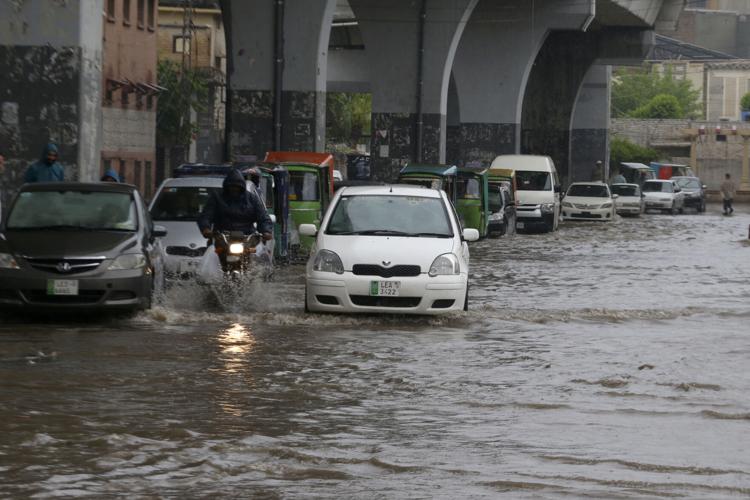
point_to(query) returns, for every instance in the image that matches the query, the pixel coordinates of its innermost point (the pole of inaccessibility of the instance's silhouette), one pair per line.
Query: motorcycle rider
(235, 209)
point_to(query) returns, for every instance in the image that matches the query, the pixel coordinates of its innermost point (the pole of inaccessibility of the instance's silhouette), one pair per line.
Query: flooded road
(602, 361)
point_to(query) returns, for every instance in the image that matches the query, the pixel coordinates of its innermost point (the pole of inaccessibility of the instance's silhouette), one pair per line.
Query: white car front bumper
(575, 213)
(349, 293)
(659, 204)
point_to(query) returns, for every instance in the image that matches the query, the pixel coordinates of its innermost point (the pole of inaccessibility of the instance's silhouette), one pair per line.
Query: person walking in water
(727, 192)
(47, 169)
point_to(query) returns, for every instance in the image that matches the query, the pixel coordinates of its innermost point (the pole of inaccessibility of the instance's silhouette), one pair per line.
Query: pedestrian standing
(47, 169)
(727, 192)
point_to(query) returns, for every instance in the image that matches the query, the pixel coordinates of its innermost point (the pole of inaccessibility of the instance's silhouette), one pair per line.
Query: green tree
(622, 150)
(634, 89)
(745, 102)
(185, 91)
(348, 116)
(660, 106)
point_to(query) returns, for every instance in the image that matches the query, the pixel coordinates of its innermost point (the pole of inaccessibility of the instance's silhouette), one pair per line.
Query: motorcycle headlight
(444, 265)
(328, 262)
(8, 262)
(237, 248)
(567, 204)
(607, 205)
(547, 208)
(128, 262)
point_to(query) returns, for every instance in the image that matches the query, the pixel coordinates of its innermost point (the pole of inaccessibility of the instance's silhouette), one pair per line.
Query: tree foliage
(622, 150)
(662, 106)
(632, 90)
(745, 102)
(185, 91)
(348, 116)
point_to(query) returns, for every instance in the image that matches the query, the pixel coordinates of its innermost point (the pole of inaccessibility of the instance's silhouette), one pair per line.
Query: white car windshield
(181, 203)
(390, 215)
(88, 210)
(533, 181)
(657, 187)
(588, 190)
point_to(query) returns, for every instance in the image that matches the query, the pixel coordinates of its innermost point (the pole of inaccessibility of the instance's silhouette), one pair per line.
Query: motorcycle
(237, 251)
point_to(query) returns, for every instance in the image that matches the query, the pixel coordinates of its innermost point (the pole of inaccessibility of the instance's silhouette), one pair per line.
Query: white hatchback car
(589, 201)
(629, 199)
(392, 249)
(665, 196)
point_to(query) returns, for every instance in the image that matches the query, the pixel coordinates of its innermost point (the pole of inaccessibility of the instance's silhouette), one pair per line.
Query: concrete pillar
(251, 57)
(589, 138)
(390, 29)
(492, 66)
(556, 78)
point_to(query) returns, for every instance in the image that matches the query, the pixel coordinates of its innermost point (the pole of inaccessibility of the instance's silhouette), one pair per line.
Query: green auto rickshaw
(502, 198)
(472, 199)
(431, 176)
(310, 191)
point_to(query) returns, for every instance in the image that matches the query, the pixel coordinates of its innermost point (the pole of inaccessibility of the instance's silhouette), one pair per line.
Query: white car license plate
(62, 287)
(385, 288)
(520, 225)
(188, 266)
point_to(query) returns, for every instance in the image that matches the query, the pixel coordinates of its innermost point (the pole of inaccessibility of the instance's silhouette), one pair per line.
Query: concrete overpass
(451, 80)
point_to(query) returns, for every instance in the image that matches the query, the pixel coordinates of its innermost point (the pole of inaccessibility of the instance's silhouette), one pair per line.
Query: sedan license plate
(520, 225)
(188, 266)
(385, 288)
(62, 287)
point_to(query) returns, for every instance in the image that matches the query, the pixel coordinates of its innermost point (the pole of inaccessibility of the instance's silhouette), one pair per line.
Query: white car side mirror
(308, 230)
(273, 218)
(470, 234)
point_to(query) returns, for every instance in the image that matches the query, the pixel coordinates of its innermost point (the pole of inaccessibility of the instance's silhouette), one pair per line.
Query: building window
(126, 12)
(148, 181)
(107, 166)
(181, 45)
(149, 101)
(151, 14)
(137, 175)
(123, 170)
(139, 100)
(141, 13)
(124, 98)
(111, 11)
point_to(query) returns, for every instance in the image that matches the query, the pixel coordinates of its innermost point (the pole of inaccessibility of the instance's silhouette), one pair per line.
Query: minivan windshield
(181, 203)
(71, 209)
(588, 190)
(657, 187)
(390, 215)
(533, 181)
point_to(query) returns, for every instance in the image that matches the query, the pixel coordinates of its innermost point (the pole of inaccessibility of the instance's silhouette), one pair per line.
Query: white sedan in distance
(629, 199)
(665, 196)
(589, 201)
(388, 249)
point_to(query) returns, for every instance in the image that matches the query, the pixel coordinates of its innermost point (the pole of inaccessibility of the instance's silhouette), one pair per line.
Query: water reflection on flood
(604, 361)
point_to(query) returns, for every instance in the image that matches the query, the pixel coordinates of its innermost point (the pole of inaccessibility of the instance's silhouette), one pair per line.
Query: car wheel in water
(682, 209)
(466, 298)
(673, 210)
(307, 308)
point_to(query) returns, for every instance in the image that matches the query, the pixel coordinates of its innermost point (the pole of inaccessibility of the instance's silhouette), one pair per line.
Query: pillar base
(587, 146)
(394, 139)
(482, 142)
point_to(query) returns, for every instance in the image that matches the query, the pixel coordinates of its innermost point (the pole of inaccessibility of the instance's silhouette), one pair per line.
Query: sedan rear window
(390, 215)
(73, 210)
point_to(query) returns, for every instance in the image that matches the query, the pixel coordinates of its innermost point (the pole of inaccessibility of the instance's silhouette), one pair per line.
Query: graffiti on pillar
(251, 122)
(469, 142)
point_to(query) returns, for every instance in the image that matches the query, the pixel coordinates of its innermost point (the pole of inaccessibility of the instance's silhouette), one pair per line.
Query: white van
(537, 190)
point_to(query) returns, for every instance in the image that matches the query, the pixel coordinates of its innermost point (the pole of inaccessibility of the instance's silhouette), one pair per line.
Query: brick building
(129, 91)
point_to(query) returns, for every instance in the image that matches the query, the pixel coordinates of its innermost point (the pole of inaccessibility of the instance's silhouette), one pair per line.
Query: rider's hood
(234, 178)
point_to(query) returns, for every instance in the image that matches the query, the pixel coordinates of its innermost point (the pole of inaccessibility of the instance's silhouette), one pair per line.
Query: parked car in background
(636, 173)
(589, 201)
(74, 246)
(629, 199)
(695, 192)
(663, 195)
(666, 171)
(502, 209)
(394, 249)
(538, 190)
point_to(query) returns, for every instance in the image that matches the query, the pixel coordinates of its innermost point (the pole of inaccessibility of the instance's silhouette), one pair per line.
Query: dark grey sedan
(695, 192)
(75, 246)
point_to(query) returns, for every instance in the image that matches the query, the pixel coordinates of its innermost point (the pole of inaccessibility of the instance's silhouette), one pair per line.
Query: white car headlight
(567, 204)
(497, 216)
(237, 248)
(328, 262)
(547, 208)
(8, 262)
(444, 265)
(128, 261)
(607, 205)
